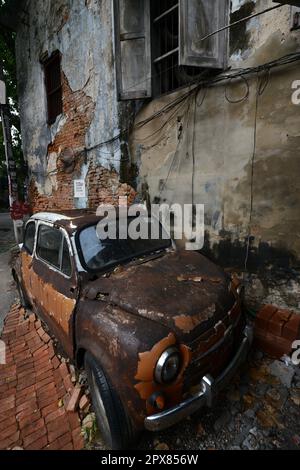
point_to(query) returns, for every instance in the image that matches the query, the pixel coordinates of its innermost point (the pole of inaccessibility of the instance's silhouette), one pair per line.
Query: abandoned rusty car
(159, 331)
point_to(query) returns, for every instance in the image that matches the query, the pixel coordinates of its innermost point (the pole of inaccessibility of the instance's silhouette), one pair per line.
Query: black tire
(23, 299)
(112, 418)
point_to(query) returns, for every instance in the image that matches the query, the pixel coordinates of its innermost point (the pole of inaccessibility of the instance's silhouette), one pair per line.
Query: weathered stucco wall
(209, 144)
(83, 33)
(205, 143)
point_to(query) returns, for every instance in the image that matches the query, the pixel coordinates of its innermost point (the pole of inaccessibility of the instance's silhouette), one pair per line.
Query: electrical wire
(252, 173)
(194, 86)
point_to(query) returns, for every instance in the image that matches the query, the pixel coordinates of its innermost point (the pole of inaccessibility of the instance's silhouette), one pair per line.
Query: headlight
(168, 365)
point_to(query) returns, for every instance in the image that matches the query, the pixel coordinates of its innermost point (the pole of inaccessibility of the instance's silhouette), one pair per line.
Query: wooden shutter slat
(198, 18)
(133, 48)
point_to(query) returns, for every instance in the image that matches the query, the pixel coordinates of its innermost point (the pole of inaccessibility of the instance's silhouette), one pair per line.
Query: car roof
(71, 220)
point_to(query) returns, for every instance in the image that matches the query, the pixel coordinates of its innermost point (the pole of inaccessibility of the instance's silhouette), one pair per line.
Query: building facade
(128, 97)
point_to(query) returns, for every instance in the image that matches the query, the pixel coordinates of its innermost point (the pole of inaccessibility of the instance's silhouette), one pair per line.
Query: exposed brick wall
(102, 185)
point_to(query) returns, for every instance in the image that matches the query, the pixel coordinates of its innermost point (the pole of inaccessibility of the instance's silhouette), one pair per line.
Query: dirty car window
(29, 237)
(66, 266)
(98, 254)
(48, 246)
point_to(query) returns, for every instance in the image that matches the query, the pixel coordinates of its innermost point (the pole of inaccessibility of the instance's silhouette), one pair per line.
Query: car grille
(212, 352)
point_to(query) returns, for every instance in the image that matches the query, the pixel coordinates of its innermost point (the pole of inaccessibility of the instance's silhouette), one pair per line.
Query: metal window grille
(167, 74)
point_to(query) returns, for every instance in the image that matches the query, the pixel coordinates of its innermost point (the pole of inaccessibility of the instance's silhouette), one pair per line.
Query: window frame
(34, 240)
(55, 56)
(64, 237)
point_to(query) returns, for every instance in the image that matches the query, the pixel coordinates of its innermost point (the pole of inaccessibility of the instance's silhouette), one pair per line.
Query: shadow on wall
(233, 253)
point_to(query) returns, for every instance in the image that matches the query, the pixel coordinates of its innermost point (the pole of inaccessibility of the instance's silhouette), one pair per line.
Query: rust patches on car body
(198, 279)
(187, 323)
(147, 386)
(56, 304)
(126, 317)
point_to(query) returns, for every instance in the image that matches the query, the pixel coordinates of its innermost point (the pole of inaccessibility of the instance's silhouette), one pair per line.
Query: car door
(54, 282)
(27, 257)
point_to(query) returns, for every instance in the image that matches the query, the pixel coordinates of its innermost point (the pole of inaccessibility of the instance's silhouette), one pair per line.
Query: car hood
(183, 291)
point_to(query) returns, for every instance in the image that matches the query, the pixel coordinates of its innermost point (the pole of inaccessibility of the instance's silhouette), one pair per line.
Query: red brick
(264, 315)
(68, 384)
(46, 338)
(32, 318)
(39, 444)
(35, 436)
(7, 422)
(26, 404)
(74, 421)
(46, 381)
(50, 409)
(10, 441)
(63, 369)
(55, 362)
(277, 322)
(8, 431)
(7, 403)
(25, 383)
(54, 415)
(51, 351)
(74, 399)
(84, 402)
(32, 427)
(40, 331)
(291, 329)
(58, 430)
(30, 418)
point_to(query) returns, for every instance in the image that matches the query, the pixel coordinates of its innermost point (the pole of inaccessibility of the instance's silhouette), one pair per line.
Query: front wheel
(112, 419)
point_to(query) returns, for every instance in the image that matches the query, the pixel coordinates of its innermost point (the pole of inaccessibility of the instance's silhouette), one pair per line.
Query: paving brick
(32, 427)
(73, 419)
(63, 369)
(30, 418)
(39, 444)
(30, 385)
(55, 362)
(68, 384)
(27, 441)
(74, 399)
(84, 402)
(8, 431)
(55, 430)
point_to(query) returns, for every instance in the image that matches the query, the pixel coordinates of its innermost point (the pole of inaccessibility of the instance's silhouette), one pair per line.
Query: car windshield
(98, 253)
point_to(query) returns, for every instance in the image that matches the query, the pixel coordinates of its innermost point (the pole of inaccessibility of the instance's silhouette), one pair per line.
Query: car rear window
(29, 237)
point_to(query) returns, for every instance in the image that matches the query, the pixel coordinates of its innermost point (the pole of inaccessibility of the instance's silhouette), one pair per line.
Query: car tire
(23, 299)
(112, 418)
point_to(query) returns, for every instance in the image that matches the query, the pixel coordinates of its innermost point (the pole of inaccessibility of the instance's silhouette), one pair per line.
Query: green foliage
(8, 64)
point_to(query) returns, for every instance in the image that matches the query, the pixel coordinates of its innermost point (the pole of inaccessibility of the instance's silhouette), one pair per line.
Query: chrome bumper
(209, 390)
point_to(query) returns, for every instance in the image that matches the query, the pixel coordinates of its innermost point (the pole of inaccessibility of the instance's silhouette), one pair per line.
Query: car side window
(29, 237)
(53, 248)
(49, 245)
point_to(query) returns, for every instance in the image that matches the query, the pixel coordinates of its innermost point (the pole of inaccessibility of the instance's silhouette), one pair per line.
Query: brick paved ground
(35, 390)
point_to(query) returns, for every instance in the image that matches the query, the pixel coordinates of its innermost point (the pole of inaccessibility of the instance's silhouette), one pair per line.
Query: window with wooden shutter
(53, 87)
(133, 48)
(175, 54)
(199, 18)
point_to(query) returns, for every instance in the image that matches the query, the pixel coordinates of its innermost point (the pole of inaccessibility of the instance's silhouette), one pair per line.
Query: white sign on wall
(2, 92)
(79, 188)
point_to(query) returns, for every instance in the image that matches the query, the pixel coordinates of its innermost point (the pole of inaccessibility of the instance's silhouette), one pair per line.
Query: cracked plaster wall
(83, 33)
(223, 151)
